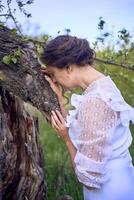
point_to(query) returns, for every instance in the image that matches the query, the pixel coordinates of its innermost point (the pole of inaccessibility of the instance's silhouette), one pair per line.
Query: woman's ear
(70, 69)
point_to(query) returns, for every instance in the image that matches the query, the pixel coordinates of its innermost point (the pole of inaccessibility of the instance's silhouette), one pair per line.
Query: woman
(96, 132)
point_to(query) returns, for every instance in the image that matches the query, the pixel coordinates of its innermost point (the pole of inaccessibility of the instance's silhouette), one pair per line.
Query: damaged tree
(21, 159)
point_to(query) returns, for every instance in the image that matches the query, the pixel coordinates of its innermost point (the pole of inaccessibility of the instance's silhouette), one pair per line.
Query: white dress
(99, 129)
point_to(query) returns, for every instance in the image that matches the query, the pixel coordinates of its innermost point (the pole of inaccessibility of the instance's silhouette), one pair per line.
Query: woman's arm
(72, 151)
(58, 123)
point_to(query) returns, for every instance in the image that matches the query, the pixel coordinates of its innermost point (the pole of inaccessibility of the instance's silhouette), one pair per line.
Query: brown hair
(65, 50)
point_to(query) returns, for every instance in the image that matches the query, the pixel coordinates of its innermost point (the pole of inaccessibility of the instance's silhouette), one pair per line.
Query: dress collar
(93, 84)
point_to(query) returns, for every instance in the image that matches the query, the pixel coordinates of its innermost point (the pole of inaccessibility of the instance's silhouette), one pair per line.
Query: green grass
(59, 173)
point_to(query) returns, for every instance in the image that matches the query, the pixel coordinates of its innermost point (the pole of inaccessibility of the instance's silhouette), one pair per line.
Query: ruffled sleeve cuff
(89, 172)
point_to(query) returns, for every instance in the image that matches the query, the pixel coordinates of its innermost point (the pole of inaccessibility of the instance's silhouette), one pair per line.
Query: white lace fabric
(96, 119)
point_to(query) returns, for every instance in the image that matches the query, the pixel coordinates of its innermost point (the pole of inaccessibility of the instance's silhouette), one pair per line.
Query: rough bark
(24, 78)
(21, 159)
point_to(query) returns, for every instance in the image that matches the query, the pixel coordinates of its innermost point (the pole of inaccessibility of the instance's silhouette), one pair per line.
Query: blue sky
(81, 16)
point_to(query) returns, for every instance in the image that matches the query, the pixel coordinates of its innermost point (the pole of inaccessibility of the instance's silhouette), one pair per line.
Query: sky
(81, 16)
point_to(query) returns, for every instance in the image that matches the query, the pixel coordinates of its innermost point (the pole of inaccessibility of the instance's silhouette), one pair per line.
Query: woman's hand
(53, 84)
(58, 123)
(57, 89)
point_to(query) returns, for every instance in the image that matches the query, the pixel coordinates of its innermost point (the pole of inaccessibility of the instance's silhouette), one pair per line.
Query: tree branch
(113, 63)
(14, 20)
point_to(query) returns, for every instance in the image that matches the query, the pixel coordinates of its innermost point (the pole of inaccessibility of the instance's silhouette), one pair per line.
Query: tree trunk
(21, 159)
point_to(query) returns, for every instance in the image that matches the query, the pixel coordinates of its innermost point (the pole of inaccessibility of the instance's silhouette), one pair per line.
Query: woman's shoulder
(106, 90)
(103, 89)
(104, 84)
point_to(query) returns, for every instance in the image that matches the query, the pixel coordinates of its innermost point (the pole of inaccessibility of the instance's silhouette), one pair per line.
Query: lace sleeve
(96, 120)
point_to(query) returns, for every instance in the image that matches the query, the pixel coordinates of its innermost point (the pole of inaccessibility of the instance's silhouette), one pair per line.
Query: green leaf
(39, 49)
(6, 60)
(14, 31)
(17, 53)
(14, 60)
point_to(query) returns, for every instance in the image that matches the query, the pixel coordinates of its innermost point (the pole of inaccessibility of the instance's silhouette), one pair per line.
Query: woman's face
(62, 76)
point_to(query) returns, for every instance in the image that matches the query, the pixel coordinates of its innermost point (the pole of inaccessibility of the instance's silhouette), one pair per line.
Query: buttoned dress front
(99, 129)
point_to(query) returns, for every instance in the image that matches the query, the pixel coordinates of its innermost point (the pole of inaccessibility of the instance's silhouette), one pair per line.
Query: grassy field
(59, 174)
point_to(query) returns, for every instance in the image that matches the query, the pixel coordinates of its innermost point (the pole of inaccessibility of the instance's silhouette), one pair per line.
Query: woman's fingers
(59, 126)
(46, 72)
(57, 120)
(54, 125)
(53, 82)
(44, 69)
(60, 116)
(49, 80)
(55, 87)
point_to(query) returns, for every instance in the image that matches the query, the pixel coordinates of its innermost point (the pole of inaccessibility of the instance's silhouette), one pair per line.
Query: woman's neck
(87, 75)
